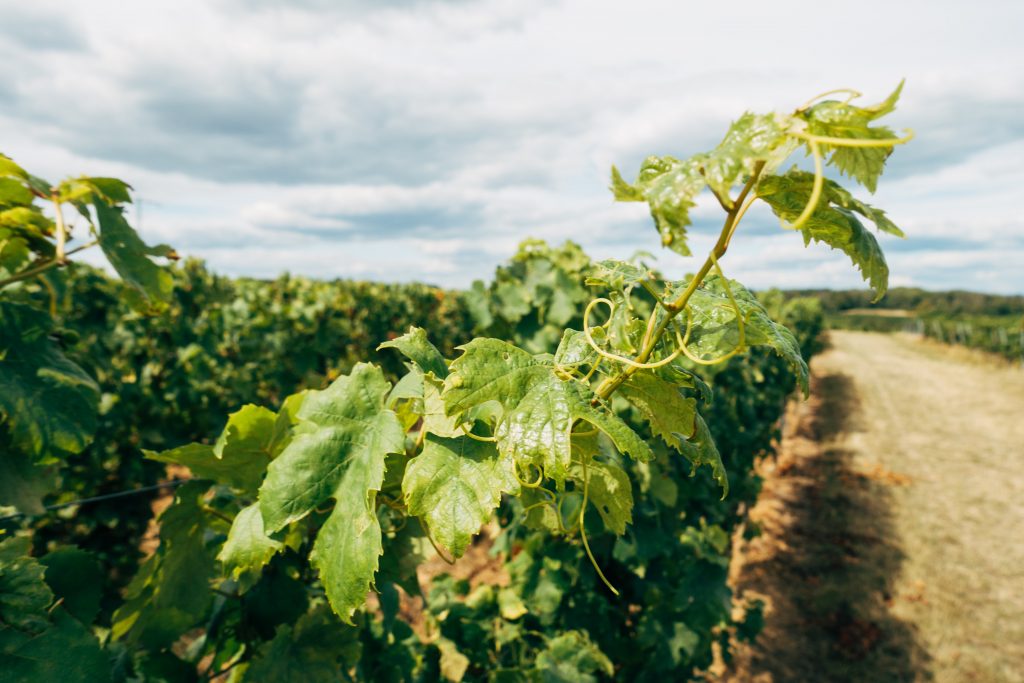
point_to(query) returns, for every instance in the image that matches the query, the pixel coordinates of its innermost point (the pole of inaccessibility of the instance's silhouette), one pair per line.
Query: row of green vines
(340, 488)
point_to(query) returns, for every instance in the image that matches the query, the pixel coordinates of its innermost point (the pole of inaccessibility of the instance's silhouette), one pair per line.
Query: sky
(424, 139)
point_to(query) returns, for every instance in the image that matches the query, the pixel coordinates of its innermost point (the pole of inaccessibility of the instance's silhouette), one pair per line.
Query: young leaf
(338, 452)
(750, 139)
(669, 186)
(417, 348)
(844, 120)
(454, 485)
(832, 222)
(574, 350)
(615, 274)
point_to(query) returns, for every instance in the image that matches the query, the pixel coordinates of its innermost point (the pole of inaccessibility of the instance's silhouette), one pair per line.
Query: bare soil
(892, 522)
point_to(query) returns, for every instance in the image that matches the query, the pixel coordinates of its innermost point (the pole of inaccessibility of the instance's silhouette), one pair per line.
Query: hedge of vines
(294, 551)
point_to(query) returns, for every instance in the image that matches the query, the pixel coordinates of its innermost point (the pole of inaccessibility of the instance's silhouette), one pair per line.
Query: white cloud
(423, 140)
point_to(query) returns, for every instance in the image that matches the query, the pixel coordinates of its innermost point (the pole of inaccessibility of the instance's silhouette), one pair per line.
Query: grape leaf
(248, 548)
(14, 193)
(65, 651)
(49, 402)
(700, 449)
(616, 274)
(417, 348)
(454, 485)
(669, 186)
(24, 596)
(314, 650)
(715, 332)
(574, 350)
(76, 578)
(571, 656)
(170, 593)
(609, 490)
(240, 456)
(832, 222)
(338, 452)
(666, 410)
(750, 139)
(130, 257)
(844, 120)
(23, 484)
(539, 407)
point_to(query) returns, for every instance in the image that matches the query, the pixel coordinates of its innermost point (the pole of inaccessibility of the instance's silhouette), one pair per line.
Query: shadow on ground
(826, 560)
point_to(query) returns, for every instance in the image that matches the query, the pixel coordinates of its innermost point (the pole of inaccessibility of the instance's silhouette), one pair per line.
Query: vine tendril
(583, 530)
(612, 356)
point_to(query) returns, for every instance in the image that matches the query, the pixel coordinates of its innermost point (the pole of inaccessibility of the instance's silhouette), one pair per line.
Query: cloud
(426, 138)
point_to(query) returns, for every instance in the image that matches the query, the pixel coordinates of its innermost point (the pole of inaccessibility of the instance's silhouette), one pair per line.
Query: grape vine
(341, 491)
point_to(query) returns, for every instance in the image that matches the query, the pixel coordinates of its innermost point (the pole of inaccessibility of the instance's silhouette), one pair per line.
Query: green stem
(673, 308)
(44, 266)
(62, 231)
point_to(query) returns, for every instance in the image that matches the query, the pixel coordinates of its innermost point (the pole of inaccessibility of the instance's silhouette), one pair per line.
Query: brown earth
(892, 522)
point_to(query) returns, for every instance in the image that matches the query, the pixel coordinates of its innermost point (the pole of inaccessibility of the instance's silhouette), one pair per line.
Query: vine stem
(62, 231)
(45, 266)
(673, 308)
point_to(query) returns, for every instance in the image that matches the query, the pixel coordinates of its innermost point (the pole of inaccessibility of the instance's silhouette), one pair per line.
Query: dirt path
(892, 544)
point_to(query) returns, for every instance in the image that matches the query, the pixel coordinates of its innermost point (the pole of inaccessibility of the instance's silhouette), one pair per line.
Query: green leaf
(24, 596)
(453, 663)
(454, 485)
(539, 407)
(14, 193)
(715, 330)
(832, 222)
(171, 593)
(248, 547)
(240, 456)
(574, 350)
(571, 657)
(76, 578)
(700, 449)
(315, 650)
(49, 402)
(666, 410)
(130, 257)
(844, 120)
(113, 190)
(615, 274)
(609, 490)
(10, 169)
(66, 651)
(669, 186)
(478, 302)
(24, 484)
(417, 348)
(751, 139)
(338, 452)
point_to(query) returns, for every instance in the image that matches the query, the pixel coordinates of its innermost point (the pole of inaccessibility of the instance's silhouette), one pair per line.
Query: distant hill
(920, 301)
